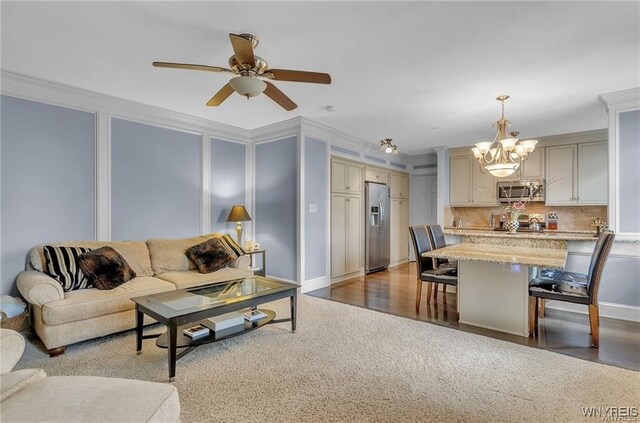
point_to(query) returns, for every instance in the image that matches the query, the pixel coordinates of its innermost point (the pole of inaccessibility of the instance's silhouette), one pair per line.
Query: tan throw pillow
(105, 268)
(211, 255)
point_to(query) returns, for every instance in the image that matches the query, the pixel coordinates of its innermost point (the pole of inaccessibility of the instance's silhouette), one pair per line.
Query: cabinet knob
(348, 187)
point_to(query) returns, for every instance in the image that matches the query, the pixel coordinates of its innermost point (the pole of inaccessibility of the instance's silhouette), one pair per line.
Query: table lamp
(238, 214)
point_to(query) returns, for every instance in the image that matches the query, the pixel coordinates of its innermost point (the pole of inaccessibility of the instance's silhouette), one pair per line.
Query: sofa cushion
(168, 255)
(88, 303)
(93, 399)
(192, 278)
(135, 253)
(61, 263)
(105, 268)
(211, 255)
(10, 383)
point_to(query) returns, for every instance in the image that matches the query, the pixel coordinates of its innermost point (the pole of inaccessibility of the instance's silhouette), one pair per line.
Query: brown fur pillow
(211, 255)
(105, 268)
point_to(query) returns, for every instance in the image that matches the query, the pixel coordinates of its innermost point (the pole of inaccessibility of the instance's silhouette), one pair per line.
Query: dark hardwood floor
(394, 292)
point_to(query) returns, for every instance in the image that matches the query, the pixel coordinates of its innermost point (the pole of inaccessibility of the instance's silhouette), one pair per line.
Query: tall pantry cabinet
(347, 214)
(399, 215)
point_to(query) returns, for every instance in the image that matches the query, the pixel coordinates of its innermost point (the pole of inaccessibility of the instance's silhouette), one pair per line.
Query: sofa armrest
(242, 262)
(38, 288)
(11, 349)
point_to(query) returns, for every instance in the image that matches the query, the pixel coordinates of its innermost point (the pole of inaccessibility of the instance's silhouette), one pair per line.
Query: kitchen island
(493, 281)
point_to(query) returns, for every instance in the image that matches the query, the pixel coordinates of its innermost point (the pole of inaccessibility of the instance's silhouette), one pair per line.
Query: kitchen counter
(539, 257)
(548, 234)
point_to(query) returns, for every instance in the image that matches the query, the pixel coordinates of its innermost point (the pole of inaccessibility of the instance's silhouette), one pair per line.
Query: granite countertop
(553, 235)
(541, 257)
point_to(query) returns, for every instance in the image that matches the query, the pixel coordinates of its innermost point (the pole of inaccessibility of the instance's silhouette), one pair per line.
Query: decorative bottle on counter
(458, 223)
(492, 221)
(552, 221)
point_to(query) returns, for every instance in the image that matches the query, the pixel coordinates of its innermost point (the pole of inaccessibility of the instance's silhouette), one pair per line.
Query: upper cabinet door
(533, 167)
(338, 175)
(399, 185)
(460, 180)
(354, 179)
(593, 173)
(483, 188)
(561, 170)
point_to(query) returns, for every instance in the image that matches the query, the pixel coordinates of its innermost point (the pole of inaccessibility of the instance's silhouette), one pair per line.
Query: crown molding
(35, 89)
(280, 129)
(631, 95)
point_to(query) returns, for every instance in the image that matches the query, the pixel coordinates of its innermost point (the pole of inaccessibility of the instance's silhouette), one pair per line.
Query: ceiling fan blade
(279, 97)
(190, 66)
(221, 96)
(243, 50)
(299, 76)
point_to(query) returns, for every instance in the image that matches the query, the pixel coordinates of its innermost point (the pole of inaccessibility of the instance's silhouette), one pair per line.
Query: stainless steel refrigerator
(377, 238)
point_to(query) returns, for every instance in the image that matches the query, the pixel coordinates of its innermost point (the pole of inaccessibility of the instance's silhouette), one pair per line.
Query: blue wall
(276, 201)
(48, 179)
(228, 182)
(155, 182)
(629, 172)
(316, 224)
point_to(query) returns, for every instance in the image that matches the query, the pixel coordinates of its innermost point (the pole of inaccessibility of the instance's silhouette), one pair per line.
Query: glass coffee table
(184, 308)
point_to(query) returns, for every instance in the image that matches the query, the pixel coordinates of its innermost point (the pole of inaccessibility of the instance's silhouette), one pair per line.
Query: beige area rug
(347, 364)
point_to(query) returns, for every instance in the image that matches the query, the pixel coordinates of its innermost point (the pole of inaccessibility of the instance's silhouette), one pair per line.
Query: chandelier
(388, 146)
(503, 156)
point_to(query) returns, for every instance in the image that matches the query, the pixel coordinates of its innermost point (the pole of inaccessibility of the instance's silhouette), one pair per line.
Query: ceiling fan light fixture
(247, 86)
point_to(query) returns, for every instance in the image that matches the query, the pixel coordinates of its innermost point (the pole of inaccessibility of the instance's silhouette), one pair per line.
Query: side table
(260, 271)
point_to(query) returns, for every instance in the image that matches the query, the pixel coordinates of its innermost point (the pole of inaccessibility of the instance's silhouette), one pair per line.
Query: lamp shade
(238, 214)
(247, 86)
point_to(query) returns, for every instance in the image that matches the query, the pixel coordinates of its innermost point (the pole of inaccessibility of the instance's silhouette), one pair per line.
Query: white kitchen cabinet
(372, 174)
(577, 174)
(483, 187)
(346, 176)
(533, 166)
(399, 185)
(468, 185)
(562, 167)
(399, 231)
(346, 234)
(593, 173)
(460, 180)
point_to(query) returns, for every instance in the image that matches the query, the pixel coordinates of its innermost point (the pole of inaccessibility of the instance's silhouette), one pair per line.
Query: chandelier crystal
(504, 155)
(388, 146)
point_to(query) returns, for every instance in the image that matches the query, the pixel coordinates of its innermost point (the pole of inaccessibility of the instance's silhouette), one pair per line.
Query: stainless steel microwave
(512, 191)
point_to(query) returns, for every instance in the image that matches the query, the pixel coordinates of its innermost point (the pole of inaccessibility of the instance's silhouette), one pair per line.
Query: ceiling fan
(249, 68)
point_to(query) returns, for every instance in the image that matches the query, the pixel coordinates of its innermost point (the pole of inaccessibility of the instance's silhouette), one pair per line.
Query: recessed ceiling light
(330, 108)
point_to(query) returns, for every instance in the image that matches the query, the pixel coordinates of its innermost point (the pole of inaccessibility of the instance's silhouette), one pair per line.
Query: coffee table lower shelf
(184, 341)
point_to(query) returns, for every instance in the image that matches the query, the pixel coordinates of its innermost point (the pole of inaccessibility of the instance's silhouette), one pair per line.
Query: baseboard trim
(348, 276)
(316, 283)
(608, 310)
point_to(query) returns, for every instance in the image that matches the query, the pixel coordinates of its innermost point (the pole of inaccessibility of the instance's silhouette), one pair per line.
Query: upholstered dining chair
(436, 236)
(573, 287)
(425, 269)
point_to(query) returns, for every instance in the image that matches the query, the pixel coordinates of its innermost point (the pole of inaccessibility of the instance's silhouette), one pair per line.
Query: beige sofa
(28, 395)
(62, 318)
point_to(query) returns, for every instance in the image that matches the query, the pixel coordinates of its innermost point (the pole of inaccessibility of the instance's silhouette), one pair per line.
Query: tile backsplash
(569, 217)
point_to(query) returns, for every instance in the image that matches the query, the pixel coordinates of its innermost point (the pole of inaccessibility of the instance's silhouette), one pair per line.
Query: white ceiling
(399, 69)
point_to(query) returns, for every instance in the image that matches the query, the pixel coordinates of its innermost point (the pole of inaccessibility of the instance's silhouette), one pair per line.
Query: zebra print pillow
(233, 245)
(61, 263)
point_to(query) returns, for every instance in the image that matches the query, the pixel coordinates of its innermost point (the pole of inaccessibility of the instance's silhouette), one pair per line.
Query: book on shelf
(254, 315)
(225, 321)
(196, 332)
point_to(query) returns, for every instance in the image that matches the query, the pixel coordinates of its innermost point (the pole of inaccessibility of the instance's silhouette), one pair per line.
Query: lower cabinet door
(354, 232)
(338, 235)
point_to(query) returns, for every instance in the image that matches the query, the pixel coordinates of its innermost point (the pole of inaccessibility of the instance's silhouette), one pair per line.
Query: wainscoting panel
(155, 182)
(228, 182)
(276, 202)
(48, 179)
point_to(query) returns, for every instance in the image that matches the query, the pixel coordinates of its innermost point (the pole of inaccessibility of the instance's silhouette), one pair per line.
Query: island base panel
(494, 296)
